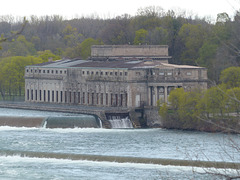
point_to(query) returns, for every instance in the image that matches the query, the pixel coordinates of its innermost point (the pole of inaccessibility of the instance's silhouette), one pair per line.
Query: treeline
(12, 73)
(215, 109)
(193, 41)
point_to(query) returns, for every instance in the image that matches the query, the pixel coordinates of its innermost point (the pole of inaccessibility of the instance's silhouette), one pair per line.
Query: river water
(138, 143)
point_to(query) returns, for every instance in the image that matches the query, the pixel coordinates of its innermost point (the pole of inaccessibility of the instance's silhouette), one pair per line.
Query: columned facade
(160, 92)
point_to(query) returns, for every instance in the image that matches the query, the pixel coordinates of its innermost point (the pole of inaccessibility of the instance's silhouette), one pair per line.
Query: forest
(191, 40)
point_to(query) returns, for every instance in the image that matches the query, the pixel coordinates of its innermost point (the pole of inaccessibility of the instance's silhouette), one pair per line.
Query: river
(45, 153)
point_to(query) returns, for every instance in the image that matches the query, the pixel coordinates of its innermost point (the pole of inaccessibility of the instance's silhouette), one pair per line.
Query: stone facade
(130, 83)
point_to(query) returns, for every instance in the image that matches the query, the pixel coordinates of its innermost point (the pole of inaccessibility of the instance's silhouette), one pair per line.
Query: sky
(111, 8)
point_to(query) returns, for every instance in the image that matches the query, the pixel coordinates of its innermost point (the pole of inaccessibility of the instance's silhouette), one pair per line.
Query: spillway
(119, 121)
(51, 121)
(71, 122)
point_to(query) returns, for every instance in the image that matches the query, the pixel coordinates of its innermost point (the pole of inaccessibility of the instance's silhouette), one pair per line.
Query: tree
(140, 37)
(13, 34)
(71, 36)
(12, 74)
(159, 36)
(47, 54)
(233, 100)
(192, 37)
(22, 47)
(86, 47)
(231, 77)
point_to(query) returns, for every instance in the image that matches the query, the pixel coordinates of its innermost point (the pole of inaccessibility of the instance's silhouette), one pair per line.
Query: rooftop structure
(130, 52)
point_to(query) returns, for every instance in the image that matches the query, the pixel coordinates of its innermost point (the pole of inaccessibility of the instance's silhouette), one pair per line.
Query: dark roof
(109, 64)
(117, 64)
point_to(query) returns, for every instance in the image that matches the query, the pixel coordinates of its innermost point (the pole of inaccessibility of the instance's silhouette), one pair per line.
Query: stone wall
(129, 51)
(152, 117)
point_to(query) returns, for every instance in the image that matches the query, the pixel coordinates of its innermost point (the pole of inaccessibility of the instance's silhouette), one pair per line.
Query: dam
(55, 116)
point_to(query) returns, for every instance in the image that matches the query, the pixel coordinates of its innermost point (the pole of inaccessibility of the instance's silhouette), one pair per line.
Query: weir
(51, 121)
(119, 159)
(72, 122)
(104, 117)
(119, 121)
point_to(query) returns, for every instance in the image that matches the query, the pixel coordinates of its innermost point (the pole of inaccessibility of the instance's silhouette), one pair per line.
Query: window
(27, 94)
(97, 73)
(126, 73)
(120, 73)
(65, 72)
(27, 70)
(189, 73)
(39, 71)
(56, 71)
(116, 73)
(92, 73)
(101, 73)
(44, 95)
(43, 71)
(83, 72)
(138, 73)
(60, 72)
(31, 94)
(161, 73)
(35, 71)
(87, 72)
(56, 96)
(40, 95)
(106, 73)
(36, 95)
(111, 73)
(47, 71)
(169, 73)
(52, 71)
(52, 96)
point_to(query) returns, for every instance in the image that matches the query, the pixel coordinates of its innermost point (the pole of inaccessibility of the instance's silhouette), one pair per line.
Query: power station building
(114, 76)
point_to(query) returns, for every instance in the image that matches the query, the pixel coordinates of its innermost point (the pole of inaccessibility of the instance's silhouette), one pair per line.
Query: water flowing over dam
(119, 121)
(51, 121)
(71, 122)
(44, 119)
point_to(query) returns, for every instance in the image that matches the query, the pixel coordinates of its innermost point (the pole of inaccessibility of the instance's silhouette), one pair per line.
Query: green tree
(231, 77)
(233, 99)
(86, 47)
(12, 74)
(140, 37)
(192, 37)
(71, 36)
(22, 47)
(48, 55)
(215, 101)
(159, 36)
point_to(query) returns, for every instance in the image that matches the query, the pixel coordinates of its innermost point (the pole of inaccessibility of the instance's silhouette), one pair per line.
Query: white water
(118, 123)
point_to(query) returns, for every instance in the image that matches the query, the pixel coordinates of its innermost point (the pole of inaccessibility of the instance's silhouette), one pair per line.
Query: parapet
(141, 52)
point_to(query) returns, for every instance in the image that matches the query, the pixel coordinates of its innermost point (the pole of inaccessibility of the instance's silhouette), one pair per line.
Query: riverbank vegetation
(214, 109)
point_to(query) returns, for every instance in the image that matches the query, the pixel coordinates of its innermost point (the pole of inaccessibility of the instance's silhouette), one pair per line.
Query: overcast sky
(112, 8)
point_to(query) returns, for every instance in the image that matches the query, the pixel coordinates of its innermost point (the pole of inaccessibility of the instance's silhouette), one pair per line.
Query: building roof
(125, 64)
